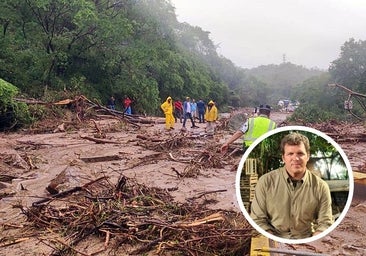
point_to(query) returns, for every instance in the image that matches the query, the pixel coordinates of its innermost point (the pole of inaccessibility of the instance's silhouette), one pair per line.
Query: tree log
(99, 140)
(100, 158)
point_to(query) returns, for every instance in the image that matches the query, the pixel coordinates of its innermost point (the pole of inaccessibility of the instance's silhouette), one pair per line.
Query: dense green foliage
(320, 102)
(350, 68)
(135, 48)
(139, 49)
(12, 114)
(102, 48)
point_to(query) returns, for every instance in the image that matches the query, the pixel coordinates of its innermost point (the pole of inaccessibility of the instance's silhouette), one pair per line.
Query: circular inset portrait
(294, 184)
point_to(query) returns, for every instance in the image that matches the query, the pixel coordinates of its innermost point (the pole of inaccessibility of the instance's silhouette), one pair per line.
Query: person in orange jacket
(167, 108)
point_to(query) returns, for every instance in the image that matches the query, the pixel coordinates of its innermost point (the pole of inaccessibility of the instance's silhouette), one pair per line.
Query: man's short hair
(295, 139)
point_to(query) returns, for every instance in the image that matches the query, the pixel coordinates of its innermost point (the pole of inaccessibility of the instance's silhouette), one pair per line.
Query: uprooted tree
(355, 104)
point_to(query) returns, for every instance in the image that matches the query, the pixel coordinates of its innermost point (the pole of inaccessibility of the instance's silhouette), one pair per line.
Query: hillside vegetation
(55, 49)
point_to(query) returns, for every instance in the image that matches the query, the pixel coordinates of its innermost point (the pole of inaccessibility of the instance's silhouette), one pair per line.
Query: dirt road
(32, 161)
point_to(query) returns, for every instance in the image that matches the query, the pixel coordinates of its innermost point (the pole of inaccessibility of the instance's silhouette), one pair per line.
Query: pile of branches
(207, 158)
(77, 109)
(159, 143)
(134, 218)
(202, 157)
(342, 131)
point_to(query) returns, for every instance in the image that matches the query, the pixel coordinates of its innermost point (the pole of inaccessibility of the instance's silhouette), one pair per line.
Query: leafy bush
(12, 114)
(311, 113)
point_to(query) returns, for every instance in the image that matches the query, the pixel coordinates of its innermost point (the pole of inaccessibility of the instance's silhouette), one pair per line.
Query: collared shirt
(187, 107)
(291, 211)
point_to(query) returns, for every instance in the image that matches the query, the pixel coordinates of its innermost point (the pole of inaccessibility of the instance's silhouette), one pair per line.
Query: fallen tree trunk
(100, 158)
(99, 140)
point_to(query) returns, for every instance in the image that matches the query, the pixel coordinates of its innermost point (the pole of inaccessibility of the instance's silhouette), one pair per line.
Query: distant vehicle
(288, 105)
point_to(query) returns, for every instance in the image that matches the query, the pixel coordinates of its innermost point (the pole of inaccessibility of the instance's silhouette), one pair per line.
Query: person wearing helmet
(211, 117)
(167, 108)
(253, 128)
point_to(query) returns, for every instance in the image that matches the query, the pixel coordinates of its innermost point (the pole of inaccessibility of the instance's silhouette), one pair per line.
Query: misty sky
(259, 32)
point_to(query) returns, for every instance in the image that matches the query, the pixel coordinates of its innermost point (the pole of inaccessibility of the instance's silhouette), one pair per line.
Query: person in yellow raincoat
(211, 117)
(167, 108)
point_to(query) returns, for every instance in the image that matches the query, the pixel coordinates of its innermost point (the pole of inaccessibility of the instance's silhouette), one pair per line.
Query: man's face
(295, 158)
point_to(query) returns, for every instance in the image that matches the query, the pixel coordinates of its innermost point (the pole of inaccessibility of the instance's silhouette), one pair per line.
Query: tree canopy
(101, 48)
(139, 49)
(320, 102)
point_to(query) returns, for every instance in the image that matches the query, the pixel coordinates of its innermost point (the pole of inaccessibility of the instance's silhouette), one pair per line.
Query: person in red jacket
(178, 110)
(127, 104)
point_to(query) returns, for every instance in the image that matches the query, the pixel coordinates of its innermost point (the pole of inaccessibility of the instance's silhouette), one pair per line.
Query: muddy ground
(32, 159)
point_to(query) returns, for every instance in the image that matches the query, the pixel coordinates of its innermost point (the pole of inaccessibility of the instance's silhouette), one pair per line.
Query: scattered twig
(69, 246)
(65, 193)
(206, 193)
(178, 173)
(11, 242)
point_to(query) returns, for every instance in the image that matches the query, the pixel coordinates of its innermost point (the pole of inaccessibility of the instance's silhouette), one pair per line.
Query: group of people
(111, 104)
(198, 110)
(190, 109)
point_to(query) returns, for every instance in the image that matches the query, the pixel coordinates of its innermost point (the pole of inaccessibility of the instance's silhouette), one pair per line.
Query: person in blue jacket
(201, 107)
